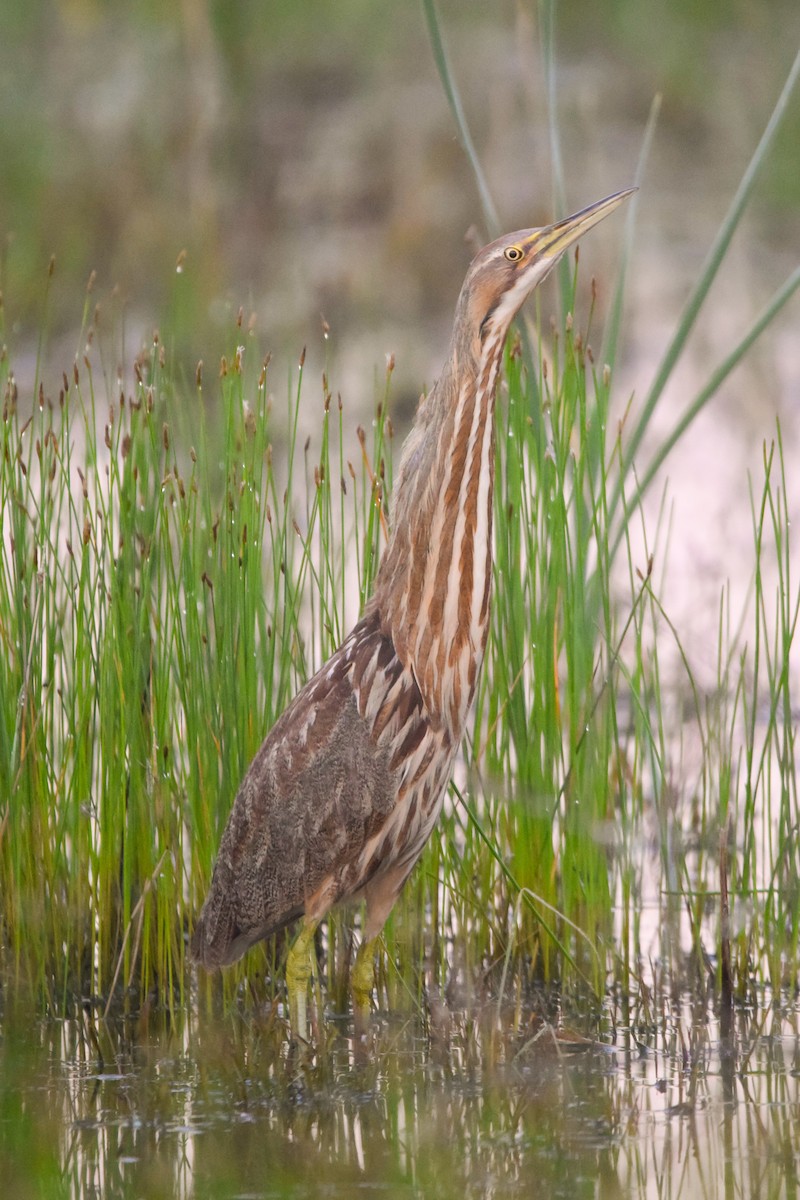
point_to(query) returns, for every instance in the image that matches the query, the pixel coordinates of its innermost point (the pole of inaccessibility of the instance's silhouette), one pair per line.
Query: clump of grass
(588, 727)
(174, 564)
(167, 578)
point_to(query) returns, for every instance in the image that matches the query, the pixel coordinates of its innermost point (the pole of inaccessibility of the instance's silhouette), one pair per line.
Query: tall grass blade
(711, 266)
(608, 353)
(547, 19)
(670, 440)
(454, 99)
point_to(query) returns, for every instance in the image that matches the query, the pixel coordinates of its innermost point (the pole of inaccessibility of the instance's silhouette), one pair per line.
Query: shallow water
(470, 1105)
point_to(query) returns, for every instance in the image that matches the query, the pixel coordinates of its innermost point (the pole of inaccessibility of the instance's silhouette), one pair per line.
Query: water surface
(478, 1104)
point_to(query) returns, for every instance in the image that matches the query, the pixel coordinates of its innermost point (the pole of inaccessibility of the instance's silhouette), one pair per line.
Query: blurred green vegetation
(265, 139)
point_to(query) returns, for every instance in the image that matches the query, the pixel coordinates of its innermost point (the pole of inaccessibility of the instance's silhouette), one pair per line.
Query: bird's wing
(323, 782)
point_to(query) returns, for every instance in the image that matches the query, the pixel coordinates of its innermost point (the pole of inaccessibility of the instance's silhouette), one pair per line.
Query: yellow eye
(513, 253)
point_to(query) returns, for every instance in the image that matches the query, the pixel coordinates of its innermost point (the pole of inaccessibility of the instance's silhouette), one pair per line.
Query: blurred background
(300, 161)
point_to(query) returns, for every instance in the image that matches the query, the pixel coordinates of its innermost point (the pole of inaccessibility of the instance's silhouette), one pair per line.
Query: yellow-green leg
(362, 979)
(301, 963)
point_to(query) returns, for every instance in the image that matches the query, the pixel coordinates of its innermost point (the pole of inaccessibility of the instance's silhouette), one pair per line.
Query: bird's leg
(362, 980)
(300, 964)
(381, 894)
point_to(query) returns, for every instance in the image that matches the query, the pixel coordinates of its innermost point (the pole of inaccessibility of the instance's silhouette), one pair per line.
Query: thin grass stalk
(732, 360)
(547, 24)
(608, 352)
(709, 270)
(454, 100)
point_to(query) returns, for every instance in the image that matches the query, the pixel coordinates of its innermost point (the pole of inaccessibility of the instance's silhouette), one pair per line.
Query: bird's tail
(218, 939)
(215, 933)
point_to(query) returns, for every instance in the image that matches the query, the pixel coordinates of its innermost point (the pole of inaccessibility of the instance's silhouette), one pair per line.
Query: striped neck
(434, 583)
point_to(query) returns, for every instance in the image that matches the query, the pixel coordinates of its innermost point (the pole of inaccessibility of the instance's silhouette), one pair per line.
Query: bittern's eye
(513, 253)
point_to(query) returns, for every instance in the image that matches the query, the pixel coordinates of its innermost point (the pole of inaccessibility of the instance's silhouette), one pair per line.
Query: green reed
(590, 728)
(175, 563)
(165, 587)
(176, 559)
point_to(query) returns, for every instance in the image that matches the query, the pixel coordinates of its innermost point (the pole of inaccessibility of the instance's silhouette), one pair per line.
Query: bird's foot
(300, 964)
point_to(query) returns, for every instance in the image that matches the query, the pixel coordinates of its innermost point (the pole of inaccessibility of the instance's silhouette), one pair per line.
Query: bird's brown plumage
(318, 793)
(344, 792)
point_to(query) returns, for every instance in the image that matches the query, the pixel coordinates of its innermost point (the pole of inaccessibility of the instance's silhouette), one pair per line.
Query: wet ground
(661, 1103)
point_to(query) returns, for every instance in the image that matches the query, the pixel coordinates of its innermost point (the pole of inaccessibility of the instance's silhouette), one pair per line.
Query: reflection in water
(202, 1107)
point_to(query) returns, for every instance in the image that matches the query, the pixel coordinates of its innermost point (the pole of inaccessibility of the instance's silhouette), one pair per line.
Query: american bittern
(343, 794)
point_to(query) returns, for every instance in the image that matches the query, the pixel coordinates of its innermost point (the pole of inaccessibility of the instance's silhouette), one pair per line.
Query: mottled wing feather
(321, 786)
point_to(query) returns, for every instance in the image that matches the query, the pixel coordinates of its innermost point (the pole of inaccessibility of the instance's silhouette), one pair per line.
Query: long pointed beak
(553, 240)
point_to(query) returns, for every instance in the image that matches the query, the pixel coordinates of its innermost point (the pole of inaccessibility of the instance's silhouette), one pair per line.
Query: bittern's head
(505, 272)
